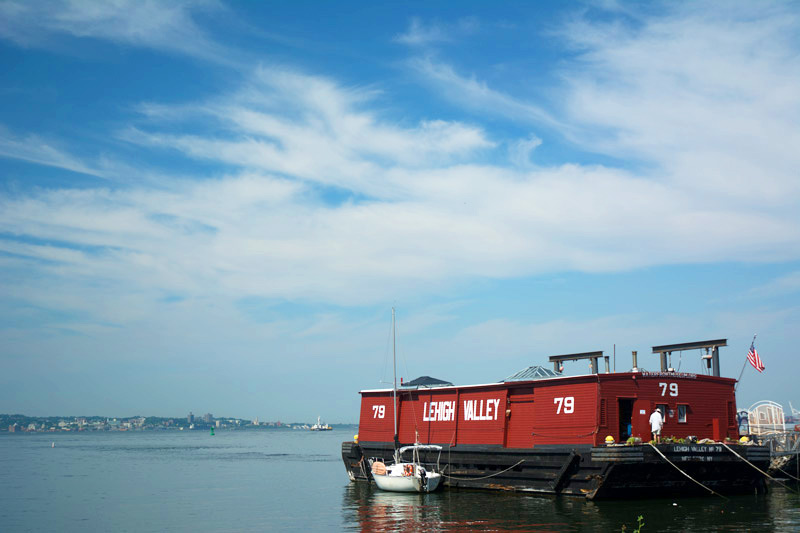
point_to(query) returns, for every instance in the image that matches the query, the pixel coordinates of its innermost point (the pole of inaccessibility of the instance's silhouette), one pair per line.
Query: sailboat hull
(398, 484)
(408, 483)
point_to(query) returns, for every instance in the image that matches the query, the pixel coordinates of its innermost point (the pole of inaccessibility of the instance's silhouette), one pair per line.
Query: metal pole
(743, 366)
(740, 376)
(715, 361)
(394, 382)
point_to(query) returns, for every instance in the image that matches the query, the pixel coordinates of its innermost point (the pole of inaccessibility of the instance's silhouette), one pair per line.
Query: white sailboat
(405, 476)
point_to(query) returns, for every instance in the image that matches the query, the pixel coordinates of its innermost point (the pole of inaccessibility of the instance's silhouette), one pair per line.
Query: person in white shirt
(656, 423)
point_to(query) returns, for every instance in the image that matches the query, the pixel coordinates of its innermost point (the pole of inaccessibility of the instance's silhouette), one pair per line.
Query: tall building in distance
(208, 417)
(190, 418)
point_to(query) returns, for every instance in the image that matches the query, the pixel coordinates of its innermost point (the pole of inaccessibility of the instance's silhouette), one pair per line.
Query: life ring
(408, 470)
(379, 468)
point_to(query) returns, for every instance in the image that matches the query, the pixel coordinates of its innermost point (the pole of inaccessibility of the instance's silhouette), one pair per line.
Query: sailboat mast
(394, 386)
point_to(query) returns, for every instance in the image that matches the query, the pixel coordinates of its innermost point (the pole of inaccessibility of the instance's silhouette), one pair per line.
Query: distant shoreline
(18, 423)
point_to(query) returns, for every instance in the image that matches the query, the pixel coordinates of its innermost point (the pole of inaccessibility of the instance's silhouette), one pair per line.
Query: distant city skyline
(213, 206)
(21, 423)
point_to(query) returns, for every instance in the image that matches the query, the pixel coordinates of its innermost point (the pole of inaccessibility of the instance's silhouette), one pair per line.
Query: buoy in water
(212, 432)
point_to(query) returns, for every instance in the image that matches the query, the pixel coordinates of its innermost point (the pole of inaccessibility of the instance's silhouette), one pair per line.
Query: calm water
(295, 480)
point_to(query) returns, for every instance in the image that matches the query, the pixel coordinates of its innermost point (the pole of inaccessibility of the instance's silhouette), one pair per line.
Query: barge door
(519, 419)
(625, 418)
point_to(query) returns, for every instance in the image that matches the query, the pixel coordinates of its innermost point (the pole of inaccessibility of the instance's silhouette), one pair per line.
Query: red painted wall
(519, 423)
(482, 416)
(430, 415)
(579, 410)
(706, 398)
(565, 411)
(376, 425)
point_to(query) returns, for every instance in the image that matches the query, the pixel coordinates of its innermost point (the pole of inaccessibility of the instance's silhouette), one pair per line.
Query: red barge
(539, 431)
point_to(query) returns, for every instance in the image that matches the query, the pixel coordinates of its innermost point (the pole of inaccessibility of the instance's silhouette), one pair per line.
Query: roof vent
(531, 373)
(426, 381)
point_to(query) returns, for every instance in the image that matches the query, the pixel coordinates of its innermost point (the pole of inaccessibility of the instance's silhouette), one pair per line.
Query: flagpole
(743, 366)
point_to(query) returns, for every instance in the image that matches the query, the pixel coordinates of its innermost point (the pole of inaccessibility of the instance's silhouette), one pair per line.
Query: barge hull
(585, 470)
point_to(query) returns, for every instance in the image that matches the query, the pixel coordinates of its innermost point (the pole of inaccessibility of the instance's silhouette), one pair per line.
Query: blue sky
(213, 206)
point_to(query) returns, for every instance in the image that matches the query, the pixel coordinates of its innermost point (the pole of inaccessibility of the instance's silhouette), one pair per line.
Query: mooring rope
(757, 468)
(684, 473)
(483, 477)
(787, 473)
(360, 464)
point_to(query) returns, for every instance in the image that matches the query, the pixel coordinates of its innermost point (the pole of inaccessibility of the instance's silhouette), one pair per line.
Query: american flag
(754, 359)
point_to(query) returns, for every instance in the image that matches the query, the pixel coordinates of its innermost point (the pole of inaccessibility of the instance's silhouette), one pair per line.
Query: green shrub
(639, 527)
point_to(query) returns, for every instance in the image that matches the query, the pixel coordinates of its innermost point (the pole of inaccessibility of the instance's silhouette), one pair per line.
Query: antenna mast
(394, 383)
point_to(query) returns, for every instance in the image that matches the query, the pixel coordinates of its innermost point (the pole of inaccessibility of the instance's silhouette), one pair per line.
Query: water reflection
(368, 509)
(384, 511)
(365, 508)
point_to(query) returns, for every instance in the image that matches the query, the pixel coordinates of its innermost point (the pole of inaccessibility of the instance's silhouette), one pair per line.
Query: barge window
(682, 413)
(664, 411)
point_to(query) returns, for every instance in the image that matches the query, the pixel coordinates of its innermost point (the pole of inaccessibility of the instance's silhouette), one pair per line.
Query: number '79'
(567, 402)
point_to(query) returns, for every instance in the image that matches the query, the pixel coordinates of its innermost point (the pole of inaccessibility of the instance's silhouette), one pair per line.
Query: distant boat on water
(319, 426)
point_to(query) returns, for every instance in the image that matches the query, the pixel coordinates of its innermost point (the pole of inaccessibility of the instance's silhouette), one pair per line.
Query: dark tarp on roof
(531, 373)
(427, 381)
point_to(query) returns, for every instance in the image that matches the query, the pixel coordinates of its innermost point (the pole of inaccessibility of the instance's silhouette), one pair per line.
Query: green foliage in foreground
(638, 529)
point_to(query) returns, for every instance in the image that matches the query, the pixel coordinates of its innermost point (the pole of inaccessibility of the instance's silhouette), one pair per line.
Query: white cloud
(253, 235)
(421, 34)
(704, 96)
(520, 151)
(476, 95)
(706, 93)
(424, 209)
(418, 34)
(35, 149)
(147, 23)
(310, 128)
(783, 285)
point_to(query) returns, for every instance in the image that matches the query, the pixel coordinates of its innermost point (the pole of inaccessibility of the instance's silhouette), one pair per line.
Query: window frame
(664, 411)
(685, 408)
